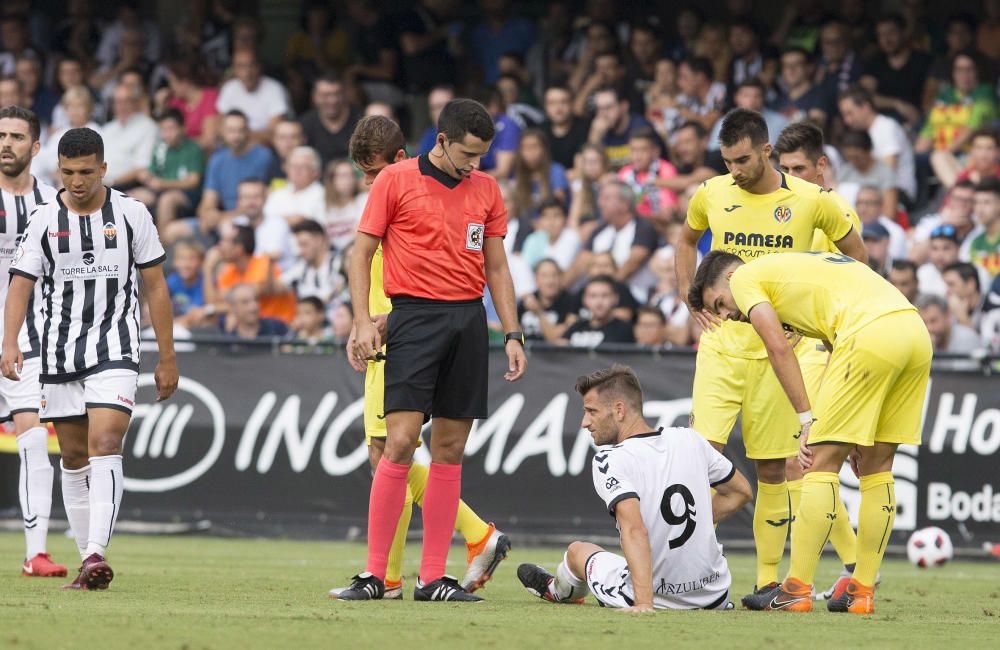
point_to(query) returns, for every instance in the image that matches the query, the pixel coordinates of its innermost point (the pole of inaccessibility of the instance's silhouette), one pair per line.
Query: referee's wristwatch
(514, 336)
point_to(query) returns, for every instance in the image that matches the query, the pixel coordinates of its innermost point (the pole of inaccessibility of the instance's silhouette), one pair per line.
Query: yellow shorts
(876, 383)
(375, 402)
(813, 358)
(726, 386)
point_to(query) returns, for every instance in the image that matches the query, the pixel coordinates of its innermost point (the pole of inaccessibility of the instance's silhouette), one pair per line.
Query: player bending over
(800, 154)
(870, 401)
(753, 211)
(657, 485)
(377, 142)
(85, 246)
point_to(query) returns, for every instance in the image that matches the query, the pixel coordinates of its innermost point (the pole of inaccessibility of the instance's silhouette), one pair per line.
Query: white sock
(106, 489)
(34, 487)
(76, 500)
(567, 586)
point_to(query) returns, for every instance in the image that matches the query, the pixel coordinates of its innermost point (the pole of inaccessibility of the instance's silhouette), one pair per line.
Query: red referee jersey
(433, 228)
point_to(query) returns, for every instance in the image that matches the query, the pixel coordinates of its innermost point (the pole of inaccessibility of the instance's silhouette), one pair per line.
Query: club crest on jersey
(782, 214)
(474, 236)
(110, 231)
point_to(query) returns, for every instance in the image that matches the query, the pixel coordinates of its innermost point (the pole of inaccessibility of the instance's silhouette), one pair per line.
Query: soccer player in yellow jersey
(800, 153)
(870, 400)
(753, 211)
(376, 143)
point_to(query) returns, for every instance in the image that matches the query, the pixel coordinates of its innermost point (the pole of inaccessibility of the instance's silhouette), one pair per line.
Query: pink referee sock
(444, 488)
(384, 507)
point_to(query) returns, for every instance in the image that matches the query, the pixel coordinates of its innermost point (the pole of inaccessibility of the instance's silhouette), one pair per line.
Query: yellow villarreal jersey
(756, 225)
(821, 295)
(823, 243)
(378, 303)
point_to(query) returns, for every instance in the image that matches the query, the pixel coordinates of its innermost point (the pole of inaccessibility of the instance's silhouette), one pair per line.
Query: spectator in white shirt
(318, 270)
(869, 206)
(78, 104)
(861, 168)
(947, 336)
(552, 239)
(302, 197)
(344, 203)
(128, 139)
(262, 99)
(889, 141)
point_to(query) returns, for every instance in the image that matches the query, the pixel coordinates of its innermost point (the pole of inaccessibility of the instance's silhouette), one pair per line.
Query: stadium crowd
(606, 123)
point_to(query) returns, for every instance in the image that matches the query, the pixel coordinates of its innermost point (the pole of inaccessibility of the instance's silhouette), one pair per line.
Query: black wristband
(514, 336)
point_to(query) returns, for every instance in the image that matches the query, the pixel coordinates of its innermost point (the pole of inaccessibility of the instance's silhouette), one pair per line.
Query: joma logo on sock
(888, 508)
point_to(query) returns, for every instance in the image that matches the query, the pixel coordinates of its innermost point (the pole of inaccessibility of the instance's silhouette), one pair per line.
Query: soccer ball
(929, 547)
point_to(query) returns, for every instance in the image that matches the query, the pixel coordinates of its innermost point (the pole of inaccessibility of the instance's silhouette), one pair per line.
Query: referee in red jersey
(441, 223)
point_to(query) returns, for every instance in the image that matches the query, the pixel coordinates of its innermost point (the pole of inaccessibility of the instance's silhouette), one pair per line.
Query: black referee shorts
(437, 358)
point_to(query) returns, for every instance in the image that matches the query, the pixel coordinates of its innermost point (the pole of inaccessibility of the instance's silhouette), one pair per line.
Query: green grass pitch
(194, 592)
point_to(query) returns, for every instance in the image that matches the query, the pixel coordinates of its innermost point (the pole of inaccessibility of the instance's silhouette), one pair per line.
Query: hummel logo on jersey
(59, 233)
(603, 469)
(600, 458)
(732, 207)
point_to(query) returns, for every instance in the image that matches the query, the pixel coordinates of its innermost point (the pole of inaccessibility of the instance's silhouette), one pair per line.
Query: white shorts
(610, 581)
(21, 396)
(110, 389)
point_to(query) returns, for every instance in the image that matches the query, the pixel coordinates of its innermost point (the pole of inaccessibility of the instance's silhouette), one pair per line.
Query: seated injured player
(657, 484)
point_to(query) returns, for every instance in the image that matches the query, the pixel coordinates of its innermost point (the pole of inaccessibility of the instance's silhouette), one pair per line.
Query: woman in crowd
(536, 177)
(191, 92)
(591, 166)
(344, 203)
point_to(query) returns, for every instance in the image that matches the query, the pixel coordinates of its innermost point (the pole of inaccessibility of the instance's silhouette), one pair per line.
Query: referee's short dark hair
(708, 273)
(618, 381)
(742, 123)
(19, 113)
(375, 135)
(308, 226)
(245, 237)
(801, 136)
(77, 143)
(461, 116)
(171, 114)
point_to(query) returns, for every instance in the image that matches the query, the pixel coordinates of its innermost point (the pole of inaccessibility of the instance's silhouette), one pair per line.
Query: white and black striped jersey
(14, 212)
(671, 472)
(323, 282)
(87, 265)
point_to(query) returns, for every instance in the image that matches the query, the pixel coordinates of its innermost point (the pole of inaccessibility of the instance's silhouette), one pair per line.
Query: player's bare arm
(161, 313)
(16, 308)
(635, 544)
(502, 291)
(786, 367)
(852, 246)
(686, 261)
(367, 339)
(730, 496)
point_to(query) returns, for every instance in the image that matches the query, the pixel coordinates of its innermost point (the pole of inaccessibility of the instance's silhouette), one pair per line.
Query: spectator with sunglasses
(956, 211)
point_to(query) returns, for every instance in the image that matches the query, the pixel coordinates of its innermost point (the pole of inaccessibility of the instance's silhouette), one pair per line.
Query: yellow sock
(878, 512)
(394, 567)
(770, 529)
(842, 537)
(794, 496)
(817, 513)
(467, 522)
